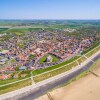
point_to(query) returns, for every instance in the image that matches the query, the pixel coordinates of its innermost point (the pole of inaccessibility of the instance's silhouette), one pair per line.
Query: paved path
(41, 88)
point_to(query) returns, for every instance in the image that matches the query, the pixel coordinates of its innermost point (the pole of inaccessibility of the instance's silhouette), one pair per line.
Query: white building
(49, 59)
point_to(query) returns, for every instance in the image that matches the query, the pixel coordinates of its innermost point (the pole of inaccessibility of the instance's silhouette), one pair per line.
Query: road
(39, 91)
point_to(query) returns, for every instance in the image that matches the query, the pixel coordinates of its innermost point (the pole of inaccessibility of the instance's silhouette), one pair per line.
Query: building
(49, 59)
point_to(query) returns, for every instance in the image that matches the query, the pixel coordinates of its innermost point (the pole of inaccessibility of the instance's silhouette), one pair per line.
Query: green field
(54, 72)
(3, 30)
(82, 59)
(18, 30)
(92, 52)
(15, 86)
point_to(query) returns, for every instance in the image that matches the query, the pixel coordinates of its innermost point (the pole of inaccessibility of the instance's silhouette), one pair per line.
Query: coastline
(86, 88)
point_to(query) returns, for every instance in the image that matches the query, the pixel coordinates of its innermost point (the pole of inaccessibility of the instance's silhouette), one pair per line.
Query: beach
(86, 88)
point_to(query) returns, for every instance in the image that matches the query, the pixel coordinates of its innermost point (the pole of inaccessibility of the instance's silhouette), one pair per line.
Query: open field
(86, 88)
(3, 29)
(18, 30)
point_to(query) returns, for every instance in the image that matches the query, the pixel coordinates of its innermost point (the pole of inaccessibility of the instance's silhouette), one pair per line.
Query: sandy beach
(86, 88)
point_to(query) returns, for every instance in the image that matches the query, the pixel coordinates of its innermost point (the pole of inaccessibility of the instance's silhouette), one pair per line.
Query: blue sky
(49, 9)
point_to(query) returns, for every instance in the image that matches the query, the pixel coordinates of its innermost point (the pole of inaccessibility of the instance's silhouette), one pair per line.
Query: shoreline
(85, 88)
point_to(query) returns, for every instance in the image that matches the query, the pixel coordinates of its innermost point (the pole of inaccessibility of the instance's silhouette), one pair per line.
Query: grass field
(3, 30)
(92, 52)
(23, 30)
(2, 82)
(80, 60)
(54, 72)
(15, 86)
(18, 30)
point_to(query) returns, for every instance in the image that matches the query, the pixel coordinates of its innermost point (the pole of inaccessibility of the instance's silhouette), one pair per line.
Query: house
(22, 68)
(15, 76)
(5, 76)
(1, 77)
(23, 75)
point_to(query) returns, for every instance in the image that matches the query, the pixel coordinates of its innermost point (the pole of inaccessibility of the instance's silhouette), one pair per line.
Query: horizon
(57, 19)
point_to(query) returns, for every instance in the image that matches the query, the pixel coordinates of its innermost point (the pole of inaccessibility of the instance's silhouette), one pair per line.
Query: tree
(31, 57)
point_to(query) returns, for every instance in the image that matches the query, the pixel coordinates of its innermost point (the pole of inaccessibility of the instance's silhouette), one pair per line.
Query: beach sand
(86, 88)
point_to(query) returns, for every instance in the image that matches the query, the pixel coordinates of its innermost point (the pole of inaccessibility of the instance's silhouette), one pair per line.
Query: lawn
(43, 59)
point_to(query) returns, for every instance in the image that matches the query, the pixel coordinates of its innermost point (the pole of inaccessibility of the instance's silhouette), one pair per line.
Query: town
(38, 50)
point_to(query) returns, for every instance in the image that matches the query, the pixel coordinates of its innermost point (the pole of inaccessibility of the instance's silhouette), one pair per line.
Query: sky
(49, 9)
